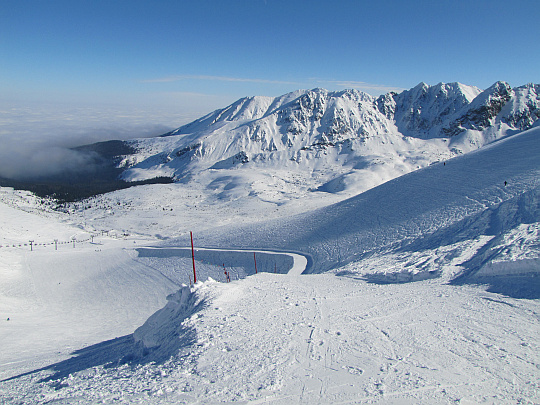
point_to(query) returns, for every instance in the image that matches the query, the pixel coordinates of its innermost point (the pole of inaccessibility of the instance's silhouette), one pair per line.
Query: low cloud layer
(23, 161)
(35, 141)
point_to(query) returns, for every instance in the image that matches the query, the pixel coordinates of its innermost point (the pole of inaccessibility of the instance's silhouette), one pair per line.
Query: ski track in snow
(287, 339)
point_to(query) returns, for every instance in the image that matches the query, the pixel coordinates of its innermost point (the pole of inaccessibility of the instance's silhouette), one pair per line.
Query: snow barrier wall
(266, 262)
(166, 331)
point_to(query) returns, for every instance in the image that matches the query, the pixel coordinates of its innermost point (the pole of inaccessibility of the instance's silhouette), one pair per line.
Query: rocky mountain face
(421, 111)
(523, 108)
(346, 137)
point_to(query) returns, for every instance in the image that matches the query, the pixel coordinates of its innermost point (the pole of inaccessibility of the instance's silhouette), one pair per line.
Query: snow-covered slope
(358, 333)
(326, 140)
(487, 192)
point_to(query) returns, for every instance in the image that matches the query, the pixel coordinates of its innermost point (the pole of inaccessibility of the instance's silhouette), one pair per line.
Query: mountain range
(333, 141)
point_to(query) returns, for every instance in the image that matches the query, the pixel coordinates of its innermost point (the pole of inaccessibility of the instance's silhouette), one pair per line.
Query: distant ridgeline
(65, 192)
(101, 175)
(352, 135)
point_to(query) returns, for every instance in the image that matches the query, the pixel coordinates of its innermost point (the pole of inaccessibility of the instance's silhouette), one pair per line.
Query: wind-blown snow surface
(81, 328)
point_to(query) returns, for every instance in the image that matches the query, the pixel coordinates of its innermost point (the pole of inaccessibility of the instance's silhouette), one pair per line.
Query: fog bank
(35, 139)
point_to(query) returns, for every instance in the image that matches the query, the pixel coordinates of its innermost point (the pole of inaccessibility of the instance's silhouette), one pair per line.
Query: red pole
(255, 262)
(193, 258)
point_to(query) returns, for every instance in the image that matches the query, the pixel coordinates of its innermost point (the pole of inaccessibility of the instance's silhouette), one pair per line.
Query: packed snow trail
(299, 262)
(311, 339)
(59, 301)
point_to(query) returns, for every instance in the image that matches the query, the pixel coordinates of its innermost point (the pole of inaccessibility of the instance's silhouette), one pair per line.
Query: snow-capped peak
(421, 110)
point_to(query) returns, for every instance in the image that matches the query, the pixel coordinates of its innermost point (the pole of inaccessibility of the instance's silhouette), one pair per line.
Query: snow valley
(413, 218)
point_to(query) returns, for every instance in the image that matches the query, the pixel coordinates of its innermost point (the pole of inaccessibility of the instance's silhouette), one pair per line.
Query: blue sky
(168, 62)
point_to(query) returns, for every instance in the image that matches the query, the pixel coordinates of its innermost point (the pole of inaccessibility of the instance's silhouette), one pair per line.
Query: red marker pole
(193, 258)
(255, 260)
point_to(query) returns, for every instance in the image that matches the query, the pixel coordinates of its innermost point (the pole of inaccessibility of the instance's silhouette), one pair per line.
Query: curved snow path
(300, 261)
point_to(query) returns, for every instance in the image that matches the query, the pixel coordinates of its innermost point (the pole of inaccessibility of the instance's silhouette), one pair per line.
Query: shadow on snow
(119, 351)
(494, 221)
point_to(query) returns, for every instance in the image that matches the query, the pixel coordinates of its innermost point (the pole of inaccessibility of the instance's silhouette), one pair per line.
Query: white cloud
(177, 78)
(371, 88)
(36, 138)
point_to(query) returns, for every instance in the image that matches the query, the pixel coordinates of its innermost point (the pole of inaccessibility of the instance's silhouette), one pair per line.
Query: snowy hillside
(486, 192)
(421, 290)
